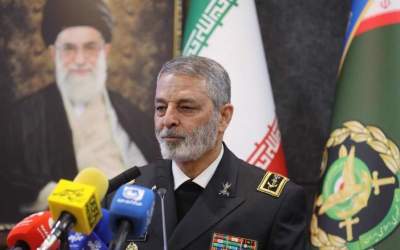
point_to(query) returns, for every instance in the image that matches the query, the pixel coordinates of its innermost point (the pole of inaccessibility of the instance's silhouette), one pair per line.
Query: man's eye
(187, 108)
(160, 108)
(69, 48)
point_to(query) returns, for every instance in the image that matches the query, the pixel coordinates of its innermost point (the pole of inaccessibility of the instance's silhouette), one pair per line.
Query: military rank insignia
(359, 202)
(225, 242)
(272, 184)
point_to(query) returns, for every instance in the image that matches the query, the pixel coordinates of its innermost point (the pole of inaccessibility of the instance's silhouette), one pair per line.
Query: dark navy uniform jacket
(241, 211)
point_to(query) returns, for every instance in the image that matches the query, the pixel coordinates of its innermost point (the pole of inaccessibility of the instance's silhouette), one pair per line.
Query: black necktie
(185, 196)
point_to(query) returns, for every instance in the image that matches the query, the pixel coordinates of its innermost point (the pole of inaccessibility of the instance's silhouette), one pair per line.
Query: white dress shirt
(202, 179)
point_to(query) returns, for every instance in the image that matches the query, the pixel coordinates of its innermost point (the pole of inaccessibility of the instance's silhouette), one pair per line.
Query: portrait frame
(146, 34)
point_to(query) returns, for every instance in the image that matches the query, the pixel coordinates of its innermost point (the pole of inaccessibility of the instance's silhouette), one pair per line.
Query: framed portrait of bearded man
(77, 81)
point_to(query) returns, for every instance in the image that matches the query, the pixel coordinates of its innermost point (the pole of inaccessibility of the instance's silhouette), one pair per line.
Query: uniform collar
(202, 179)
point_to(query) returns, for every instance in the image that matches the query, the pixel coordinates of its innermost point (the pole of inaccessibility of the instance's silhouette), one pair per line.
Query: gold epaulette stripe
(272, 184)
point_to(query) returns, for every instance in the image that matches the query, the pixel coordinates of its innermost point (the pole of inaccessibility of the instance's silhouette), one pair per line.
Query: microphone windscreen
(103, 229)
(94, 177)
(135, 204)
(80, 199)
(32, 231)
(78, 241)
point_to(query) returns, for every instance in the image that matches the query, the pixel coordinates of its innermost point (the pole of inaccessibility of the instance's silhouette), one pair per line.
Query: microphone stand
(64, 244)
(123, 231)
(161, 192)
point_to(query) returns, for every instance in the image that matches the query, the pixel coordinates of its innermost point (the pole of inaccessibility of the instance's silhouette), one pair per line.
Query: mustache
(72, 70)
(170, 132)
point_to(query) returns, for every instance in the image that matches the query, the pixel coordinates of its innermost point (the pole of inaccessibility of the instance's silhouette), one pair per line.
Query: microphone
(98, 239)
(79, 241)
(30, 232)
(130, 213)
(161, 193)
(76, 204)
(162, 182)
(123, 178)
(103, 229)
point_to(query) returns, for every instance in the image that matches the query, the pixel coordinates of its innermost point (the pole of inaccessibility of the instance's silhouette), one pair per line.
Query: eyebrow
(182, 100)
(68, 43)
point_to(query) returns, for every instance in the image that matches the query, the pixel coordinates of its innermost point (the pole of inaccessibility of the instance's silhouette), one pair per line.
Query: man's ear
(226, 112)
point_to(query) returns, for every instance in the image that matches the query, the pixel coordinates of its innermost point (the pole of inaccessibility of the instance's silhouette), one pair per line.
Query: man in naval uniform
(213, 199)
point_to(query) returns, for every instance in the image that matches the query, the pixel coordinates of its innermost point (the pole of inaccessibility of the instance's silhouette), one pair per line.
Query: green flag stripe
(203, 23)
(369, 89)
(196, 8)
(368, 95)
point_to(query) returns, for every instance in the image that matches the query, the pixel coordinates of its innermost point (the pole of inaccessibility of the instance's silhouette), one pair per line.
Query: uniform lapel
(211, 206)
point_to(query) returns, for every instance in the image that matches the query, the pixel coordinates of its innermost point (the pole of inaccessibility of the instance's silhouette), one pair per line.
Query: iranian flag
(358, 206)
(228, 32)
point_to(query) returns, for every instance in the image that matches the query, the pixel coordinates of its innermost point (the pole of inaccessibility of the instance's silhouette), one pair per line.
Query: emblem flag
(358, 204)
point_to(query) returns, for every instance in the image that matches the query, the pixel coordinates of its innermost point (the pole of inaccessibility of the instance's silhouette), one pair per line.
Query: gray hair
(217, 79)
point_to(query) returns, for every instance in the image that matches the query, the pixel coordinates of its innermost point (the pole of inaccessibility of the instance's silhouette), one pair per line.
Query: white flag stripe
(236, 44)
(243, 57)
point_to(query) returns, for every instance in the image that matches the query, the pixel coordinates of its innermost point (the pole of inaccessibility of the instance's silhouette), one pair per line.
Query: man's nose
(171, 118)
(80, 57)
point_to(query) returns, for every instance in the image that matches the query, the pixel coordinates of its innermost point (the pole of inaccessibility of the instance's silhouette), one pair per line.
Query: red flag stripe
(378, 22)
(278, 164)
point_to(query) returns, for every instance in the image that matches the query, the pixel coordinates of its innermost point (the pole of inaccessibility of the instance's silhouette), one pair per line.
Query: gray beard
(195, 143)
(82, 89)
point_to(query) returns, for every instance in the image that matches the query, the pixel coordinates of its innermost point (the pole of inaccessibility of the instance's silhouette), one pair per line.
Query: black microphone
(123, 178)
(162, 192)
(20, 245)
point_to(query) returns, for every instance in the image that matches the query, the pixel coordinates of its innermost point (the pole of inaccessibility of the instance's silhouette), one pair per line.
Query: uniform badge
(131, 246)
(225, 242)
(272, 184)
(359, 202)
(225, 189)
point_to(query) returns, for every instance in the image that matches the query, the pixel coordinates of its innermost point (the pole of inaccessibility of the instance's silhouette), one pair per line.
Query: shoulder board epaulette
(272, 184)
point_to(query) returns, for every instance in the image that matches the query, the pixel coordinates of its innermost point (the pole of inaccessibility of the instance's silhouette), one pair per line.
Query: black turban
(60, 14)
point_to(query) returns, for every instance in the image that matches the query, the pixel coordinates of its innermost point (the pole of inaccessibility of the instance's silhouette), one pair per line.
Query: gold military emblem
(363, 175)
(132, 246)
(272, 184)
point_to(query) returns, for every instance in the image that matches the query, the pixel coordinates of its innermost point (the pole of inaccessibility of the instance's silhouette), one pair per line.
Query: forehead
(172, 87)
(79, 35)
